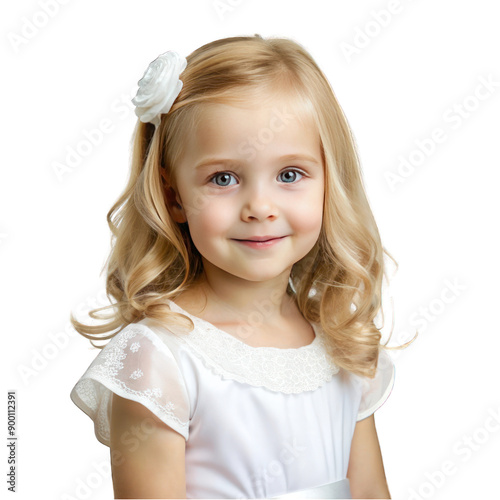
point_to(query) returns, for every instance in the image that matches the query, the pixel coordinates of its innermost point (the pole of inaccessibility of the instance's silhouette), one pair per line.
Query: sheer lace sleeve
(135, 364)
(376, 391)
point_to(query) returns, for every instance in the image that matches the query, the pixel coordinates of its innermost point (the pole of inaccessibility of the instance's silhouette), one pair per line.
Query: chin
(260, 277)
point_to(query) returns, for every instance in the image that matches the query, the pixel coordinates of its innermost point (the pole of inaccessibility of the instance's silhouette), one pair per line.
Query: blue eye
(295, 172)
(225, 175)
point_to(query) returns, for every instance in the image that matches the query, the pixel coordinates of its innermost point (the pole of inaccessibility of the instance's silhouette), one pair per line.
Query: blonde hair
(337, 284)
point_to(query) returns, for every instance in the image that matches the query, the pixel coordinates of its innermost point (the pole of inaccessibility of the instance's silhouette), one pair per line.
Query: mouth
(266, 242)
(262, 239)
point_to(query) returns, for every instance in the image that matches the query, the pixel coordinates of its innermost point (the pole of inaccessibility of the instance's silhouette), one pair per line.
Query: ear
(174, 203)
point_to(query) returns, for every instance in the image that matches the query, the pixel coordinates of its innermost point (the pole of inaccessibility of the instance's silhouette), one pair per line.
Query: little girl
(246, 266)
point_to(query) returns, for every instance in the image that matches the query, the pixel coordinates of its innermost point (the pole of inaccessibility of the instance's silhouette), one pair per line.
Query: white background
(418, 67)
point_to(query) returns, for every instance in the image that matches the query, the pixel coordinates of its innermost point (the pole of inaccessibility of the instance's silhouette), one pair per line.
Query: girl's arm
(147, 456)
(366, 469)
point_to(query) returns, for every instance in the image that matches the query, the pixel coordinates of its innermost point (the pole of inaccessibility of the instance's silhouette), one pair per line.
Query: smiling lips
(262, 241)
(263, 238)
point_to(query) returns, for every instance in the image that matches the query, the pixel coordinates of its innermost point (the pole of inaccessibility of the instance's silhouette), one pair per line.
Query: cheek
(308, 223)
(308, 214)
(210, 219)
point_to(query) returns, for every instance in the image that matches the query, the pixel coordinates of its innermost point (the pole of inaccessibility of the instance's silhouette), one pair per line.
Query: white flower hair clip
(159, 87)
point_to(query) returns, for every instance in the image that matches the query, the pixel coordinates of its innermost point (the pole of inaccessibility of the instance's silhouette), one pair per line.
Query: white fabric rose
(159, 87)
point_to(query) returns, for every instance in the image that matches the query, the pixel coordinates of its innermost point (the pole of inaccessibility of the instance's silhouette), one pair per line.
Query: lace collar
(291, 370)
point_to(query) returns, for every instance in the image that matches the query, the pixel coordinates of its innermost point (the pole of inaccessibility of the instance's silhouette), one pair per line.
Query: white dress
(259, 422)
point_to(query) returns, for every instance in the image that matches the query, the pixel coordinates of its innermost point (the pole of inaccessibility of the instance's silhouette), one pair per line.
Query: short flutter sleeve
(375, 391)
(135, 364)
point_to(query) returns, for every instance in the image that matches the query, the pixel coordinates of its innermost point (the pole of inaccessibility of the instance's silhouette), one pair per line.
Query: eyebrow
(291, 157)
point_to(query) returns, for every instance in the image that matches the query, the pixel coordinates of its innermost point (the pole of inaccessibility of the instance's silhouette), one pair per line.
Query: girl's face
(235, 183)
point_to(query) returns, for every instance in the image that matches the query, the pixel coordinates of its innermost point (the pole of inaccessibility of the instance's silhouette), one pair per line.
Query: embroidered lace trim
(113, 371)
(289, 371)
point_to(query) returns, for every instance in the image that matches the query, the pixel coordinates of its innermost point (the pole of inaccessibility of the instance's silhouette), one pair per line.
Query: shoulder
(374, 392)
(142, 365)
(158, 335)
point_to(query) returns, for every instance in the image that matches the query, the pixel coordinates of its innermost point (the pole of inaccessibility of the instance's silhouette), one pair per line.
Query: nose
(259, 205)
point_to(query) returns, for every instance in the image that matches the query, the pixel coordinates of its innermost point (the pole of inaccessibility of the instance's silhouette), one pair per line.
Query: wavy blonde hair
(338, 284)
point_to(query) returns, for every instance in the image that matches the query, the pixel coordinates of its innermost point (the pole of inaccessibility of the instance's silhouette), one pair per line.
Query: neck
(254, 303)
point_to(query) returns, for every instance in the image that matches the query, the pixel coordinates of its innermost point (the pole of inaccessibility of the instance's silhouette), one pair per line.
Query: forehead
(261, 124)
